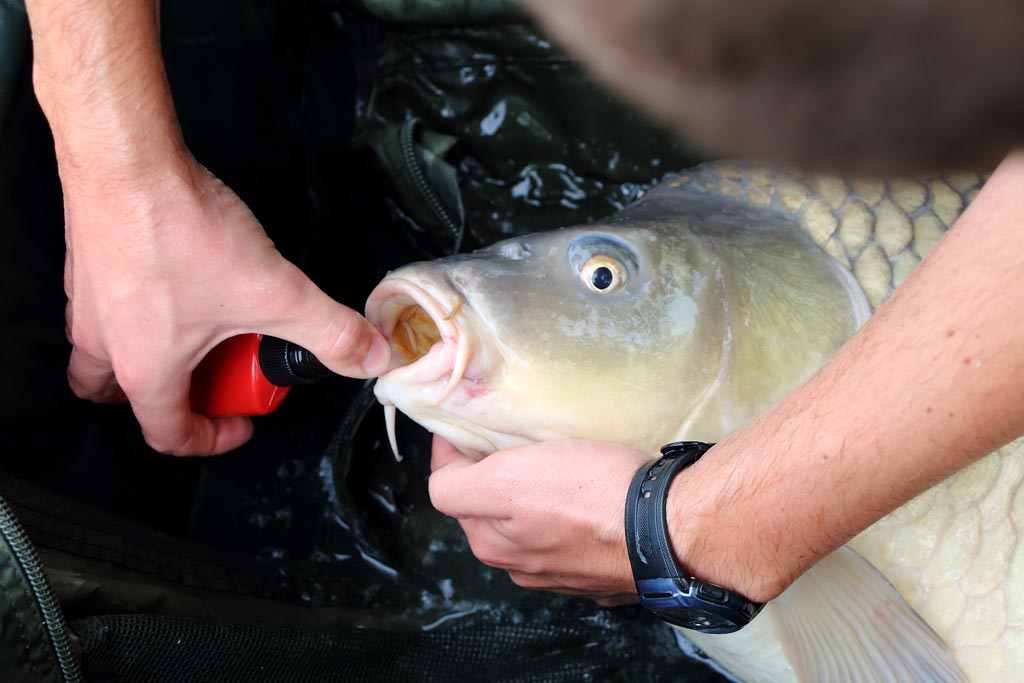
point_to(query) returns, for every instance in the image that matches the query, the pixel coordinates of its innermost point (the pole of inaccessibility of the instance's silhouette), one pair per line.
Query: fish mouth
(430, 344)
(422, 324)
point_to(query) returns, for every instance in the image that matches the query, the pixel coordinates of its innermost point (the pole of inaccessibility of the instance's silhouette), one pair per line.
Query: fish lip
(443, 304)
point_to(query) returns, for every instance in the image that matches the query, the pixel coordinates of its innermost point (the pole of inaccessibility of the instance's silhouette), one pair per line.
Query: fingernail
(378, 358)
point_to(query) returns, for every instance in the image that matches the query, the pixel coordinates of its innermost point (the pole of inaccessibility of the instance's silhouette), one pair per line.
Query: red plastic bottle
(250, 375)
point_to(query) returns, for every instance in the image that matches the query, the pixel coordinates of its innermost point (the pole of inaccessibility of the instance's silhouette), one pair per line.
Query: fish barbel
(684, 316)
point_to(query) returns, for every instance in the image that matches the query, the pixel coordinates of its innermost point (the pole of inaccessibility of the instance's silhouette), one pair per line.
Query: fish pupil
(602, 277)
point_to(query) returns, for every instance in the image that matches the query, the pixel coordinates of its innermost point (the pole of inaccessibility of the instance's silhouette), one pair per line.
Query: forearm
(934, 381)
(100, 79)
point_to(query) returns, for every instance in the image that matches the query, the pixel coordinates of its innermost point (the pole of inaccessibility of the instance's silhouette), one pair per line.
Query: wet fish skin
(709, 285)
(953, 553)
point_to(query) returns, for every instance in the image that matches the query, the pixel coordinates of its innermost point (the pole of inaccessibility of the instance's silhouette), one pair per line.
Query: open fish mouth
(421, 321)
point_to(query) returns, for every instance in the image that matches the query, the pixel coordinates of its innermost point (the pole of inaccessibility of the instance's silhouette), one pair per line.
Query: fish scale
(953, 552)
(880, 230)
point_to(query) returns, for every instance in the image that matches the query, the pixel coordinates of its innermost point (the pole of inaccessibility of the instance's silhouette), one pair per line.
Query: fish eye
(604, 262)
(603, 273)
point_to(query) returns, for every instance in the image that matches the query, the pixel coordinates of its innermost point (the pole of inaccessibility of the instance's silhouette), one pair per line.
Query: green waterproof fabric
(26, 654)
(426, 185)
(537, 144)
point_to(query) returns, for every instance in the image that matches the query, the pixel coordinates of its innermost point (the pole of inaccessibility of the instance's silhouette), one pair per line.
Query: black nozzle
(286, 364)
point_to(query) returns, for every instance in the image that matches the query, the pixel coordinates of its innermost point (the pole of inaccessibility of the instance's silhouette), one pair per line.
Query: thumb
(339, 337)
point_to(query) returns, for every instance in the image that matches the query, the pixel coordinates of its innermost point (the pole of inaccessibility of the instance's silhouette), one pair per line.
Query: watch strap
(650, 549)
(665, 589)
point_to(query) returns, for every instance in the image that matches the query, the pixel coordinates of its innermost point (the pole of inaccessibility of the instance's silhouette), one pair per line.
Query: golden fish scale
(954, 552)
(878, 229)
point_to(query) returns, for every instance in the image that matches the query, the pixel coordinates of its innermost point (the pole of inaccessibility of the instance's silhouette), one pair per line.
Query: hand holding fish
(492, 361)
(550, 514)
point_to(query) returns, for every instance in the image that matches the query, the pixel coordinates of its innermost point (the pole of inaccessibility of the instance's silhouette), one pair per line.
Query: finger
(444, 453)
(342, 339)
(618, 600)
(460, 488)
(170, 426)
(546, 583)
(534, 582)
(92, 378)
(489, 548)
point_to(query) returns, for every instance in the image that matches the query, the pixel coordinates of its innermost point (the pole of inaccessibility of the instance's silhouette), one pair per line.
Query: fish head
(679, 317)
(580, 332)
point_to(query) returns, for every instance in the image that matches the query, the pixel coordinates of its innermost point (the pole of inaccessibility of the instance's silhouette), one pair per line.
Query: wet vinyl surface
(318, 483)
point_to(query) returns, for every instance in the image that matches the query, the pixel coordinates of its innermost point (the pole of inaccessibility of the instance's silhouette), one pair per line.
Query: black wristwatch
(665, 589)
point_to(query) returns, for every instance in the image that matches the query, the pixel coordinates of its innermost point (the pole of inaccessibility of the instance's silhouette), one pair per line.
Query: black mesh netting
(143, 649)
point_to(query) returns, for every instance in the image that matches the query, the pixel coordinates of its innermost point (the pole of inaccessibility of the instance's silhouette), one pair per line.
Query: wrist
(666, 587)
(116, 137)
(99, 78)
(89, 178)
(121, 166)
(721, 540)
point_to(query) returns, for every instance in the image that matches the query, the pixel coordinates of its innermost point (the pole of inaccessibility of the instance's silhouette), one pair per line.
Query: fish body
(685, 316)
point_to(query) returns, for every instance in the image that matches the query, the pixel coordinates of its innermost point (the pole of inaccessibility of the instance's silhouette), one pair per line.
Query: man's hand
(160, 271)
(163, 260)
(551, 514)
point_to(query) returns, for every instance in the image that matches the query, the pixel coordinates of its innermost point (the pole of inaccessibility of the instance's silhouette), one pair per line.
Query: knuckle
(505, 478)
(76, 387)
(81, 337)
(157, 443)
(489, 555)
(132, 375)
(176, 444)
(531, 566)
(523, 532)
(522, 580)
(343, 335)
(437, 490)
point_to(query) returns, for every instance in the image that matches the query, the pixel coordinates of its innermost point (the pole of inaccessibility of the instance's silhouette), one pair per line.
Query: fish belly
(955, 554)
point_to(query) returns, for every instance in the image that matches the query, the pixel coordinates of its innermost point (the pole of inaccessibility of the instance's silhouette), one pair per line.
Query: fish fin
(843, 622)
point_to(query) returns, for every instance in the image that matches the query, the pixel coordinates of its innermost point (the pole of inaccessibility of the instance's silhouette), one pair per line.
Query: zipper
(407, 144)
(53, 619)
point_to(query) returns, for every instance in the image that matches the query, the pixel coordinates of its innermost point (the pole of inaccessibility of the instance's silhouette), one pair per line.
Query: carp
(683, 317)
